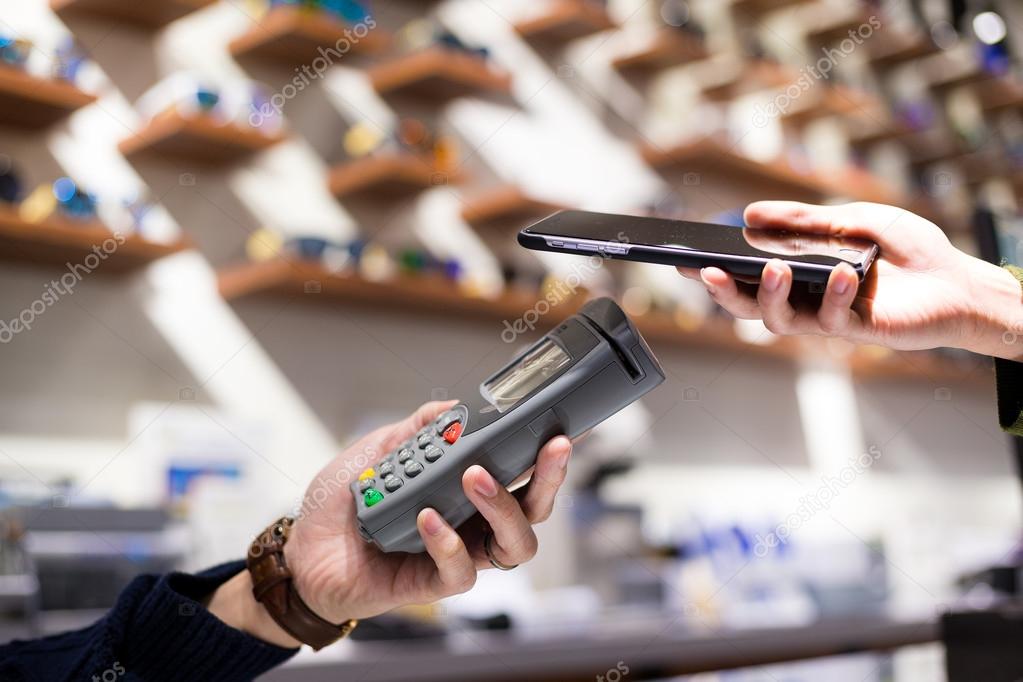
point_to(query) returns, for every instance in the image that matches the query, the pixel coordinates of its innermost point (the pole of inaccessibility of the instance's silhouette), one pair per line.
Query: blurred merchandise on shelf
(343, 10)
(63, 197)
(77, 571)
(10, 181)
(420, 34)
(14, 51)
(68, 60)
(410, 135)
(243, 103)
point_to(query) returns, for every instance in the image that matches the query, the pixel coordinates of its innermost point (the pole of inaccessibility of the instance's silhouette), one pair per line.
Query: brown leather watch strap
(274, 588)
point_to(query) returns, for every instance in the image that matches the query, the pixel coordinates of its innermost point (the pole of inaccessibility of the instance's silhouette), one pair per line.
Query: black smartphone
(736, 250)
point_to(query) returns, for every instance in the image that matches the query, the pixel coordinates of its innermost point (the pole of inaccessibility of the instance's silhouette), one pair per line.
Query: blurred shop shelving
(751, 9)
(507, 205)
(148, 14)
(430, 293)
(873, 363)
(895, 47)
(32, 102)
(386, 175)
(60, 240)
(709, 153)
(831, 100)
(667, 47)
(436, 295)
(293, 35)
(437, 73)
(749, 76)
(566, 20)
(200, 138)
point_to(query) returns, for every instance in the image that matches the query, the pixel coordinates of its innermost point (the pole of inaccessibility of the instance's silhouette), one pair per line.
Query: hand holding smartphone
(739, 251)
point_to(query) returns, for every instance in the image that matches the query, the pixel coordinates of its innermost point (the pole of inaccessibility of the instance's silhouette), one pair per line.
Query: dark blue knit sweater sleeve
(158, 630)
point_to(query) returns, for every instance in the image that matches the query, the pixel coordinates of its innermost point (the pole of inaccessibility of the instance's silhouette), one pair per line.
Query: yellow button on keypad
(368, 473)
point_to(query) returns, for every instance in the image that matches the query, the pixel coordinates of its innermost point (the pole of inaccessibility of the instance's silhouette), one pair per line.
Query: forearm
(158, 630)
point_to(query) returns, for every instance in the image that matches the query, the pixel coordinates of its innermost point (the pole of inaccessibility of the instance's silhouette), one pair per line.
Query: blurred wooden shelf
(505, 205)
(566, 20)
(386, 175)
(709, 154)
(200, 139)
(714, 155)
(435, 295)
(425, 293)
(439, 74)
(890, 130)
(831, 100)
(59, 241)
(660, 327)
(954, 76)
(28, 101)
(828, 28)
(668, 47)
(949, 149)
(295, 36)
(148, 14)
(999, 93)
(890, 48)
(752, 75)
(872, 363)
(752, 9)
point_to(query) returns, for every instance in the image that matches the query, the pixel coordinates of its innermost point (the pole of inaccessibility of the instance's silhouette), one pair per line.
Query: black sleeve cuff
(1009, 382)
(173, 637)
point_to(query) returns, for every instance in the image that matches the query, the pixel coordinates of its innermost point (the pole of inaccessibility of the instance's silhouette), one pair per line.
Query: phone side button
(557, 244)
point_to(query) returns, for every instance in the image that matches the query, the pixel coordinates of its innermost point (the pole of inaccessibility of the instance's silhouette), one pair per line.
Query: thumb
(881, 224)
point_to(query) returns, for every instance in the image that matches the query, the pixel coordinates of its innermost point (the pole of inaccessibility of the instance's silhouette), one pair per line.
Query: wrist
(234, 604)
(312, 588)
(997, 311)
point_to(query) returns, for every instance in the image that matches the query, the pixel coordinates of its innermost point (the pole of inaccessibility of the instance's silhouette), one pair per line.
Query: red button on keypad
(452, 433)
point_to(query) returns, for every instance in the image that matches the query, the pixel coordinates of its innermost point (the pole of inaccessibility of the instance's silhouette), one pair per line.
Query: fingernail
(770, 279)
(841, 285)
(563, 458)
(432, 523)
(703, 278)
(485, 485)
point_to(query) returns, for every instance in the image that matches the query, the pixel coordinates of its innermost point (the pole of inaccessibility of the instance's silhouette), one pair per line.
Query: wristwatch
(274, 587)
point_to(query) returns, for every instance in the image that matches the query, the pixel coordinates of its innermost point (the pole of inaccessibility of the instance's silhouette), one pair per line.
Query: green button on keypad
(372, 496)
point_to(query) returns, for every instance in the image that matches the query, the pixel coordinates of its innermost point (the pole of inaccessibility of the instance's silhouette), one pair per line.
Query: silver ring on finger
(488, 540)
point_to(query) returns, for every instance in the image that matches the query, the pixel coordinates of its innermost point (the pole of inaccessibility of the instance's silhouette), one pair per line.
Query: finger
(548, 475)
(722, 288)
(456, 571)
(773, 297)
(689, 273)
(835, 316)
(514, 541)
(859, 220)
(424, 414)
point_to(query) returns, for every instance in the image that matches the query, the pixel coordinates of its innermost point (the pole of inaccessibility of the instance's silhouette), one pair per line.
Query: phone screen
(705, 237)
